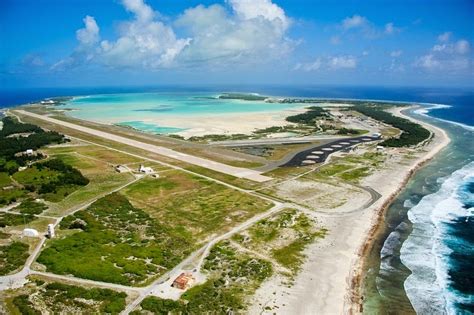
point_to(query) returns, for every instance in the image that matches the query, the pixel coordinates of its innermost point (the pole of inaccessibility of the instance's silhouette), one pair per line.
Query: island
(268, 217)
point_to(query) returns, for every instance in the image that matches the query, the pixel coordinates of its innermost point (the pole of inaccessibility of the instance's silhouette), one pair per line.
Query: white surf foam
(408, 204)
(424, 252)
(424, 111)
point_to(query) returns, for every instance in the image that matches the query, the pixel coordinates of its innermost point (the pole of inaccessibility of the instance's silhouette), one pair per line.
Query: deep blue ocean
(424, 260)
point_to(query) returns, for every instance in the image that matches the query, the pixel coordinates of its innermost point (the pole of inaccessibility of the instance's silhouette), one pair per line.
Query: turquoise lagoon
(141, 110)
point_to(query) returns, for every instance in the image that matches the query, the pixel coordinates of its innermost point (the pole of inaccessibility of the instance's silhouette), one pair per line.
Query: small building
(183, 281)
(146, 170)
(122, 169)
(50, 231)
(29, 152)
(380, 148)
(376, 135)
(30, 232)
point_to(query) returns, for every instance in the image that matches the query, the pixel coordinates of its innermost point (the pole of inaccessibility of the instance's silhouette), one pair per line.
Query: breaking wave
(440, 249)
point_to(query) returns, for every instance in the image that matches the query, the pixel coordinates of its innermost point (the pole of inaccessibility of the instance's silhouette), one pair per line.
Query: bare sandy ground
(200, 125)
(333, 268)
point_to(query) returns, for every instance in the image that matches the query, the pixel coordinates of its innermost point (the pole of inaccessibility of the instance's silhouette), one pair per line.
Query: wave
(424, 111)
(426, 252)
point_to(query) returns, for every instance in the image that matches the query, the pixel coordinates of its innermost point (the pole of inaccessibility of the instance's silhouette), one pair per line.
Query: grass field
(282, 238)
(12, 257)
(233, 277)
(351, 168)
(199, 206)
(5, 179)
(116, 243)
(40, 297)
(94, 164)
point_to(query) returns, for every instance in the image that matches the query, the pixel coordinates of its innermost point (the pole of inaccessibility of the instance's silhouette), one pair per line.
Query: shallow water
(141, 110)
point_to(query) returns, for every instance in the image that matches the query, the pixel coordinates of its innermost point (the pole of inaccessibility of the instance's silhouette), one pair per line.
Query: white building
(50, 230)
(30, 233)
(29, 152)
(146, 170)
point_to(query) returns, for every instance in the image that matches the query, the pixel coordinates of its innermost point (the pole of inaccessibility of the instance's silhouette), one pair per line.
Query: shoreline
(354, 296)
(329, 281)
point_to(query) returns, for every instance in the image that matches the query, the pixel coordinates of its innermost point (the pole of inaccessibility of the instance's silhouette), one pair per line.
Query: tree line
(412, 133)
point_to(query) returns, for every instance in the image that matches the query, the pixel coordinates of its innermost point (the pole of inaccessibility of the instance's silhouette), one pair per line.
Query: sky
(56, 43)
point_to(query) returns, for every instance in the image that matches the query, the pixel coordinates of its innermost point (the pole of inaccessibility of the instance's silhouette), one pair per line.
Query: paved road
(212, 165)
(320, 153)
(274, 141)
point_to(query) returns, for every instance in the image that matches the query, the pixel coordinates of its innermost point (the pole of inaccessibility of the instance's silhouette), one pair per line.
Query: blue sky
(53, 43)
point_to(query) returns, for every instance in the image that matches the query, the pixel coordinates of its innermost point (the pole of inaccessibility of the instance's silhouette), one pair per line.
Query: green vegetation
(412, 133)
(5, 179)
(30, 207)
(219, 137)
(351, 168)
(11, 127)
(11, 219)
(214, 207)
(62, 298)
(24, 305)
(349, 131)
(10, 146)
(283, 237)
(116, 243)
(92, 163)
(233, 277)
(53, 179)
(12, 257)
(309, 117)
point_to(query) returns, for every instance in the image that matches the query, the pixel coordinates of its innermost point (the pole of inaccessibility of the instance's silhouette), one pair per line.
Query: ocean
(423, 258)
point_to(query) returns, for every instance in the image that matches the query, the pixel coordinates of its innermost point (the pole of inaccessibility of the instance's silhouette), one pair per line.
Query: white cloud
(342, 62)
(429, 62)
(444, 37)
(354, 21)
(89, 35)
(359, 24)
(140, 9)
(396, 53)
(448, 56)
(251, 9)
(253, 32)
(244, 31)
(335, 40)
(311, 66)
(330, 62)
(462, 46)
(143, 42)
(33, 60)
(391, 29)
(365, 53)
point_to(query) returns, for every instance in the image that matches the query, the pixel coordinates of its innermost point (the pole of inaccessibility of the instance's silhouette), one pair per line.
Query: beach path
(205, 163)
